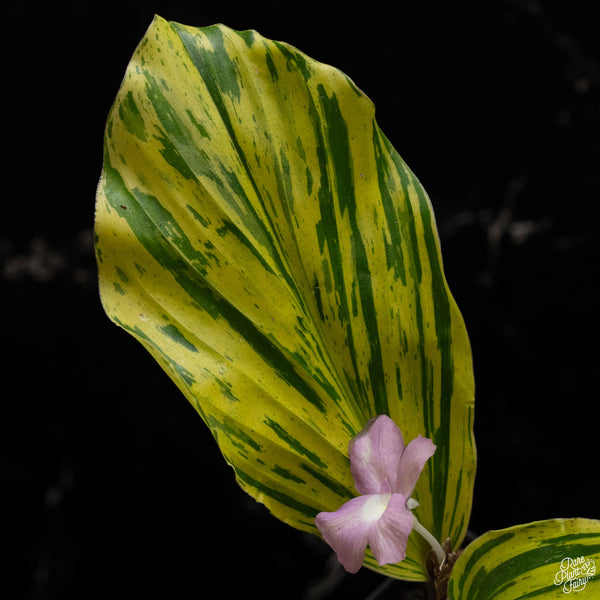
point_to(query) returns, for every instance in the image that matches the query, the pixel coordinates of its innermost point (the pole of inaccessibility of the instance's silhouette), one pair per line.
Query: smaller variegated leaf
(543, 560)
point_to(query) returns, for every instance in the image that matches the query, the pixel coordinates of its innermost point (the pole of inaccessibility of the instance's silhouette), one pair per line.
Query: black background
(114, 487)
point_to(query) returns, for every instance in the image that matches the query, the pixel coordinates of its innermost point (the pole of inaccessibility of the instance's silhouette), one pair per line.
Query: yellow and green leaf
(544, 559)
(263, 240)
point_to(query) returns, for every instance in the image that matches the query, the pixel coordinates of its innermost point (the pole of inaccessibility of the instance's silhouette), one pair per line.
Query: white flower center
(375, 506)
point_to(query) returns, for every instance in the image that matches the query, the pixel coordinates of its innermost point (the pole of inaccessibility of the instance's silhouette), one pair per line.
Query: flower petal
(389, 537)
(411, 464)
(375, 455)
(348, 529)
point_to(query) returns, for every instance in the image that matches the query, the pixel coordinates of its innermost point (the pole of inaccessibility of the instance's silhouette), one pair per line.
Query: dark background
(113, 487)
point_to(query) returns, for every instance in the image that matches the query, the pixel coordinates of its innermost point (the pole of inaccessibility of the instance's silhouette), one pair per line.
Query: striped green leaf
(259, 235)
(545, 560)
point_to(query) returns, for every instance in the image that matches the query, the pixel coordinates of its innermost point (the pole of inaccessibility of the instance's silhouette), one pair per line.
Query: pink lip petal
(389, 537)
(347, 530)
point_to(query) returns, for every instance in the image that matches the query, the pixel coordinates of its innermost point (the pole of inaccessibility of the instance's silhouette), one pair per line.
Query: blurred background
(113, 486)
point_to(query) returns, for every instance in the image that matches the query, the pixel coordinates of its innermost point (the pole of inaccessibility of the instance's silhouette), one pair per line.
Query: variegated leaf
(543, 560)
(260, 236)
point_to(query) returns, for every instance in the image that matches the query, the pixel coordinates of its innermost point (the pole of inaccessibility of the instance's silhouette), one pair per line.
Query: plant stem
(435, 545)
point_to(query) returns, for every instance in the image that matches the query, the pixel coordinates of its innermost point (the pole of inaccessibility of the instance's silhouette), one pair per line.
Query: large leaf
(259, 235)
(544, 560)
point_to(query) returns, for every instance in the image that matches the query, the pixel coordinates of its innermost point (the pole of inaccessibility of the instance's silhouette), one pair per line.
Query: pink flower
(385, 473)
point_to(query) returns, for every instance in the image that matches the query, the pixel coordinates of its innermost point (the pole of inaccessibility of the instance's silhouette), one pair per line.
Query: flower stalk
(428, 537)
